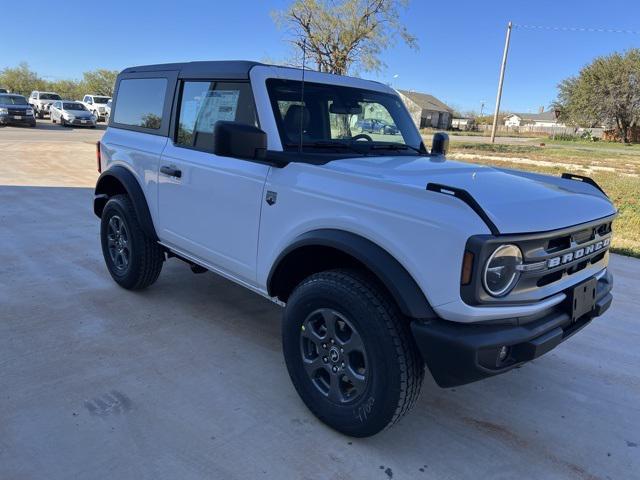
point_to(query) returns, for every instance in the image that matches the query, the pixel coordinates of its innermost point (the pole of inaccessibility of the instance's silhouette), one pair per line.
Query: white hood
(517, 202)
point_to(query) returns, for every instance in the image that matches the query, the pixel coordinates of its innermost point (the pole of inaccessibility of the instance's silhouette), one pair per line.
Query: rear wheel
(133, 259)
(349, 352)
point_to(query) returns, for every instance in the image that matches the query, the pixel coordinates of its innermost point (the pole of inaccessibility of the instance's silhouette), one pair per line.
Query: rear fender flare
(118, 180)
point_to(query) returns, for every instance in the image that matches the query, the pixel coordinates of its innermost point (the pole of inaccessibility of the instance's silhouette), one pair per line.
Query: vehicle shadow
(47, 125)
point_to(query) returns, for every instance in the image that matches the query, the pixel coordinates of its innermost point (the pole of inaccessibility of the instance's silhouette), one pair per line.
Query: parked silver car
(70, 113)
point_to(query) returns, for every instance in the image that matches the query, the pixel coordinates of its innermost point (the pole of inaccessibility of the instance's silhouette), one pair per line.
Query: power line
(577, 29)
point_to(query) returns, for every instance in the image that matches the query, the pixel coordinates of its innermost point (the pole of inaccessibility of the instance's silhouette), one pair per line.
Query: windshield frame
(80, 107)
(49, 96)
(412, 143)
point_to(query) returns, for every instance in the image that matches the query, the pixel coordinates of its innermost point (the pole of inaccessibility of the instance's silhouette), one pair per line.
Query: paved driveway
(186, 380)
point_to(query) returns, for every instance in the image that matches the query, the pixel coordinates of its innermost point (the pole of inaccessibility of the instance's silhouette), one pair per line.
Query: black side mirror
(440, 144)
(238, 140)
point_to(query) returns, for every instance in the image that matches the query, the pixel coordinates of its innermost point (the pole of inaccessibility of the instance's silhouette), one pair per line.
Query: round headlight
(500, 272)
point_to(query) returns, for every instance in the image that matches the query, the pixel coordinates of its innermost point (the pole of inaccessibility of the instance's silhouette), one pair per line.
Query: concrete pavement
(186, 380)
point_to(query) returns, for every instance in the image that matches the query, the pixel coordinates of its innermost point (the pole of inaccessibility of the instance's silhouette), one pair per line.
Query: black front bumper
(11, 120)
(458, 353)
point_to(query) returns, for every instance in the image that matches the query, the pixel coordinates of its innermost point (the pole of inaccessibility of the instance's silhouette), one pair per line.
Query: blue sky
(458, 61)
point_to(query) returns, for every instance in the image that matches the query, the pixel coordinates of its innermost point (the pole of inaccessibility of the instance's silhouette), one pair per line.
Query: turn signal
(467, 268)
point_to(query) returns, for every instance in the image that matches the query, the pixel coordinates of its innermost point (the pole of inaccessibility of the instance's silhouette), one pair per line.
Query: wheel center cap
(334, 355)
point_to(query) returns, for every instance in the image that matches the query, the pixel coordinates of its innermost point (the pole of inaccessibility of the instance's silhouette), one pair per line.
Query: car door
(209, 205)
(55, 111)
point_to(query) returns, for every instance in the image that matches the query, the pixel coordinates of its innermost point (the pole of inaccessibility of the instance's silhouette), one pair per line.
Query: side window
(204, 103)
(140, 102)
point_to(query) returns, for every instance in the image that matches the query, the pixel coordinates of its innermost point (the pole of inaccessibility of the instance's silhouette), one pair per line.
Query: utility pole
(499, 96)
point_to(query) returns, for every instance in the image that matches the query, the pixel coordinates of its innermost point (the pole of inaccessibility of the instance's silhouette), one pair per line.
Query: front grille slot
(598, 257)
(559, 243)
(578, 267)
(584, 235)
(604, 229)
(550, 278)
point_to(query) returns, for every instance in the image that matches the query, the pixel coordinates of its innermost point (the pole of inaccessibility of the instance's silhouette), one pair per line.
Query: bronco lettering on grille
(579, 253)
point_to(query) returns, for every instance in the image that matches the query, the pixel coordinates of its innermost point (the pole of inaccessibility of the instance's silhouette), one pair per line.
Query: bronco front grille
(555, 257)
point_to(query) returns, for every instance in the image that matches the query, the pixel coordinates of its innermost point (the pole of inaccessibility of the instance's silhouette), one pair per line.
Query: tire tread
(152, 254)
(410, 362)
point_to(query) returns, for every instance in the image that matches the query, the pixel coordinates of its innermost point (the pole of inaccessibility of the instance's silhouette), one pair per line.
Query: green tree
(21, 79)
(99, 82)
(67, 89)
(343, 34)
(606, 92)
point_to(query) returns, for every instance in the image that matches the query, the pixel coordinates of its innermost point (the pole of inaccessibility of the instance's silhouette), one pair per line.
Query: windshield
(12, 100)
(334, 117)
(100, 99)
(73, 106)
(49, 96)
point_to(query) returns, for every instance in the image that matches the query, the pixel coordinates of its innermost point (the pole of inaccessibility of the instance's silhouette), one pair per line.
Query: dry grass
(617, 171)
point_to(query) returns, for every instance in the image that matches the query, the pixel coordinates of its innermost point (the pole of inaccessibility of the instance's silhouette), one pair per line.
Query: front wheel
(133, 259)
(349, 352)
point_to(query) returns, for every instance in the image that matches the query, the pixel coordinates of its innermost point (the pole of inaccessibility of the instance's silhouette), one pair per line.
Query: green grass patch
(494, 147)
(623, 186)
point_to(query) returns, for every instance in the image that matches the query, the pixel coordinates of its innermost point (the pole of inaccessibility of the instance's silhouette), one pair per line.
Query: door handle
(172, 172)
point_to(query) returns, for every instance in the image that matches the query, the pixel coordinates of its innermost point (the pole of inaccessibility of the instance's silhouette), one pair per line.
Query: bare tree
(341, 35)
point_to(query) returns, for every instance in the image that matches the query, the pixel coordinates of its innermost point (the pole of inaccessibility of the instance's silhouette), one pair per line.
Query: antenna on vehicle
(304, 57)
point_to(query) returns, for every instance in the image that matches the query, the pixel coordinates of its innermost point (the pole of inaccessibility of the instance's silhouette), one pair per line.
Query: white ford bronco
(385, 256)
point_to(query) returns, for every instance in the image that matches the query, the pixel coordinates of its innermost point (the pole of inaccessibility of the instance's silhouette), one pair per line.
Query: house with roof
(426, 110)
(541, 119)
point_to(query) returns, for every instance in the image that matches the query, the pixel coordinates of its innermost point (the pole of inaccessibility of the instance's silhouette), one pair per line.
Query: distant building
(426, 110)
(542, 119)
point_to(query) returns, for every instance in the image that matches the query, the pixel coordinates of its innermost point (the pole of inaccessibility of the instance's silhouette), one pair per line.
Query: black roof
(221, 69)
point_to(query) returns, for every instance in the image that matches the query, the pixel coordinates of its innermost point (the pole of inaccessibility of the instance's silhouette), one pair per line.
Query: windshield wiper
(328, 144)
(396, 146)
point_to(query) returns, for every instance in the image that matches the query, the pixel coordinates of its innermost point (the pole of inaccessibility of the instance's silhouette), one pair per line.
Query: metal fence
(543, 131)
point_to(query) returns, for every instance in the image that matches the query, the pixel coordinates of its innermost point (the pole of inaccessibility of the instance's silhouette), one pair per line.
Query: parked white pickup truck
(385, 255)
(97, 104)
(41, 102)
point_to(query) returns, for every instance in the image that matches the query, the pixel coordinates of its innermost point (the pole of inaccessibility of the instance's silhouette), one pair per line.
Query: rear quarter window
(140, 102)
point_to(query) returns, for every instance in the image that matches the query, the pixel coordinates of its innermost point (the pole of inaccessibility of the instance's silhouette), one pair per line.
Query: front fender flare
(400, 284)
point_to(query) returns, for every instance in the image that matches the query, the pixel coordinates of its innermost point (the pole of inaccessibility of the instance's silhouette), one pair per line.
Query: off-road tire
(146, 256)
(395, 369)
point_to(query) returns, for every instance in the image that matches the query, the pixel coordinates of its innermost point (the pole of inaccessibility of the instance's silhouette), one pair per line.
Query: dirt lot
(186, 380)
